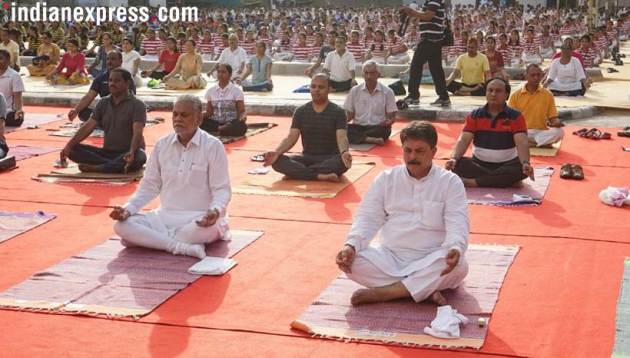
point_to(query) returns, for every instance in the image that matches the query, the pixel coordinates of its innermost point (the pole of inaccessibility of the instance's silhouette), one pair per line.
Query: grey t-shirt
(117, 121)
(319, 130)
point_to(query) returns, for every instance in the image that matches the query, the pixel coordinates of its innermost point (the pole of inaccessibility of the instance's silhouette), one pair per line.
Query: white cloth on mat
(446, 323)
(615, 196)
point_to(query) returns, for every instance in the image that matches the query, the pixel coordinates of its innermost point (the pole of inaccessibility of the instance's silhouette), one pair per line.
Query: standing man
(432, 24)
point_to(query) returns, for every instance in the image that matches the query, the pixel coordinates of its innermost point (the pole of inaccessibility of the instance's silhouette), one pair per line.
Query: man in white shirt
(234, 55)
(188, 169)
(371, 107)
(11, 86)
(339, 65)
(421, 212)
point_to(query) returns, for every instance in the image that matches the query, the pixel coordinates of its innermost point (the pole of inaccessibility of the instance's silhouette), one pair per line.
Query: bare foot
(518, 184)
(88, 168)
(437, 298)
(332, 177)
(378, 141)
(365, 295)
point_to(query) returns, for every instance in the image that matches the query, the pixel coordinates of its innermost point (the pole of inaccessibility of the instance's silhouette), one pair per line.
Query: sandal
(582, 132)
(625, 132)
(612, 70)
(257, 158)
(578, 172)
(566, 171)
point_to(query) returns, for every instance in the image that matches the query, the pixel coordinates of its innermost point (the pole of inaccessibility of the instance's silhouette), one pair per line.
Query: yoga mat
(33, 119)
(274, 184)
(21, 152)
(13, 224)
(112, 280)
(402, 321)
(545, 152)
(252, 129)
(70, 129)
(364, 147)
(72, 174)
(622, 336)
(504, 196)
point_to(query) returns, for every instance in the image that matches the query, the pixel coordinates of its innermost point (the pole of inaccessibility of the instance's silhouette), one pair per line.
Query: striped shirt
(611, 35)
(433, 30)
(378, 49)
(152, 47)
(206, 47)
(493, 139)
(515, 51)
(249, 47)
(356, 50)
(412, 40)
(505, 54)
(589, 56)
(531, 48)
(397, 45)
(302, 53)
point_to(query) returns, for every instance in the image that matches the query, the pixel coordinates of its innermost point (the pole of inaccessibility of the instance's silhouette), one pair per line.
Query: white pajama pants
(400, 59)
(420, 284)
(148, 230)
(545, 136)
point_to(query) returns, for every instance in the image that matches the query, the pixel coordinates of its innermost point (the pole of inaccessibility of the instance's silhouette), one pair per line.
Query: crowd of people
(188, 168)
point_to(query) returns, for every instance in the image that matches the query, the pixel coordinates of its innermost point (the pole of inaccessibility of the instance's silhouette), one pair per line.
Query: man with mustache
(421, 212)
(500, 156)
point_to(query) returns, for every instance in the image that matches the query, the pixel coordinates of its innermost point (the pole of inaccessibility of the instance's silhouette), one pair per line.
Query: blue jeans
(109, 161)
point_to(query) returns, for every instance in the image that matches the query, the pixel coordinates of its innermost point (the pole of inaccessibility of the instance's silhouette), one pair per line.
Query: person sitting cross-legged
(538, 106)
(225, 113)
(259, 66)
(122, 117)
(474, 69)
(371, 107)
(420, 211)
(500, 147)
(188, 170)
(323, 128)
(566, 75)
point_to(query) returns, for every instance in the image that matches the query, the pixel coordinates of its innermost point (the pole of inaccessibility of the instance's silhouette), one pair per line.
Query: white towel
(215, 266)
(615, 196)
(446, 323)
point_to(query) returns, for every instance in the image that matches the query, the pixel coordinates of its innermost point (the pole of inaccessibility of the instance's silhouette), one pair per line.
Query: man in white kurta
(188, 170)
(421, 212)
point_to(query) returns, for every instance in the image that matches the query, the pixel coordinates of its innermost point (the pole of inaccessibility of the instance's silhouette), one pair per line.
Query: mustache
(412, 162)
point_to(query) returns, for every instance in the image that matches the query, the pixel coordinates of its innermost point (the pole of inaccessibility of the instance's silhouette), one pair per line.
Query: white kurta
(566, 77)
(419, 221)
(189, 181)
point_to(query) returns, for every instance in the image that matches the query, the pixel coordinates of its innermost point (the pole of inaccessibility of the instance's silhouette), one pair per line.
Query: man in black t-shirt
(323, 128)
(99, 87)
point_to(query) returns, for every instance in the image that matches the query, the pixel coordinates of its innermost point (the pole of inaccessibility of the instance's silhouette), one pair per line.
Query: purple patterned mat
(21, 152)
(403, 321)
(13, 224)
(110, 279)
(505, 196)
(34, 119)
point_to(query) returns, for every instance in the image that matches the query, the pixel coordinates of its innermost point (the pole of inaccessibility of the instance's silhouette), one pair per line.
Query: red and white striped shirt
(378, 49)
(357, 50)
(397, 45)
(249, 47)
(206, 47)
(412, 40)
(152, 47)
(310, 40)
(588, 56)
(611, 35)
(515, 51)
(601, 44)
(302, 53)
(531, 48)
(567, 30)
(505, 55)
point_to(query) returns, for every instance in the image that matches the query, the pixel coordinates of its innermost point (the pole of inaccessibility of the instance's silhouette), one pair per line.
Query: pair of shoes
(592, 133)
(410, 101)
(442, 102)
(625, 132)
(618, 62)
(571, 171)
(612, 70)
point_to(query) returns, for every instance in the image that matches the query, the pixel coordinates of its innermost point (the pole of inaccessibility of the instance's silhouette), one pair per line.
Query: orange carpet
(558, 299)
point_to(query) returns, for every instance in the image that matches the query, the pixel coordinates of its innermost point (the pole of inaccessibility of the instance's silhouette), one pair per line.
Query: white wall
(155, 3)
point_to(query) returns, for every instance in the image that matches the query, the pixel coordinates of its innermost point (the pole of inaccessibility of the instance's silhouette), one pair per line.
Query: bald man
(323, 128)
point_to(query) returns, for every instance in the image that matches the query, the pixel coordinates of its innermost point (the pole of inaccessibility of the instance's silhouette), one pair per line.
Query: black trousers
(307, 167)
(357, 132)
(492, 175)
(234, 128)
(12, 121)
(431, 52)
(456, 86)
(343, 86)
(110, 162)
